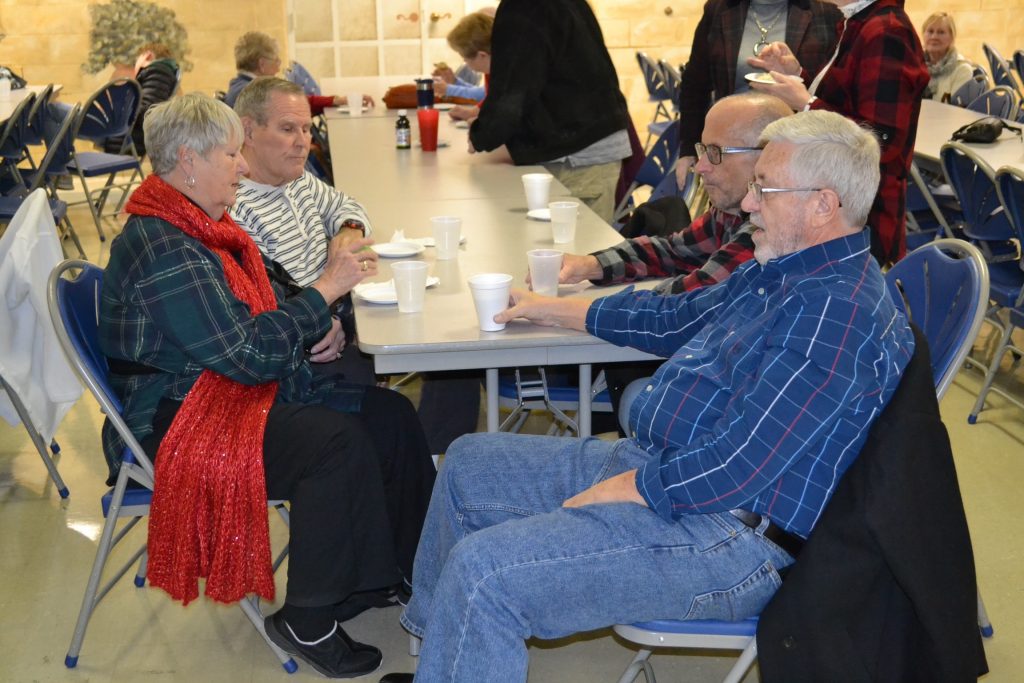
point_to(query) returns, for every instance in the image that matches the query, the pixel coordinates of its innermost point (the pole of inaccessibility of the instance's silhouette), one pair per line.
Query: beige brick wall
(48, 39)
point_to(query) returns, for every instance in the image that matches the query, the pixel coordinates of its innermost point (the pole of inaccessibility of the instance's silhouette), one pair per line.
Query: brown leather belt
(791, 543)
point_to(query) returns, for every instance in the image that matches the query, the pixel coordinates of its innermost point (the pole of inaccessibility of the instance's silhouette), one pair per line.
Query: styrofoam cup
(410, 285)
(545, 265)
(538, 188)
(355, 103)
(490, 296)
(447, 232)
(563, 221)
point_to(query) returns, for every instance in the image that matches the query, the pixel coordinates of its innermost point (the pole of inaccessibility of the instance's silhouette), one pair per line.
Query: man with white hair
(772, 381)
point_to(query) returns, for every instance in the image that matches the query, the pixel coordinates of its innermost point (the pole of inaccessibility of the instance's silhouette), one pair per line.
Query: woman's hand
(776, 57)
(444, 72)
(440, 87)
(348, 264)
(789, 89)
(329, 348)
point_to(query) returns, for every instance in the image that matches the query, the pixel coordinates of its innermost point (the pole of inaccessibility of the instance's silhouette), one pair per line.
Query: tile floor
(47, 546)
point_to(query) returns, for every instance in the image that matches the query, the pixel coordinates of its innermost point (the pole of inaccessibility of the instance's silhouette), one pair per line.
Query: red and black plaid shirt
(704, 253)
(878, 79)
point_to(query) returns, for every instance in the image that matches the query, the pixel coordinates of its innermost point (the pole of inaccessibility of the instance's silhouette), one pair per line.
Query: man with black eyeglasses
(710, 248)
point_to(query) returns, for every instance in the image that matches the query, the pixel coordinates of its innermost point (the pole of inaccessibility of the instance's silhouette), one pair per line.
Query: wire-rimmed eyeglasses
(714, 152)
(759, 191)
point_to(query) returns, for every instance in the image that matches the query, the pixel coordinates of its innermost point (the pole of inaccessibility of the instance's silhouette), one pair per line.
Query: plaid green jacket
(166, 305)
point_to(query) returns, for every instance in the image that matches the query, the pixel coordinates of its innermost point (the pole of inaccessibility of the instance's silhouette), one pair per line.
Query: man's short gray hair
(253, 100)
(831, 152)
(251, 47)
(195, 121)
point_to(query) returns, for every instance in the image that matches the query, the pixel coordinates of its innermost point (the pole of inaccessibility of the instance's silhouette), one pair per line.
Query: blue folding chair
(999, 101)
(13, 140)
(521, 395)
(109, 113)
(660, 162)
(943, 286)
(1018, 63)
(1001, 72)
(969, 91)
(1007, 293)
(52, 166)
(657, 93)
(74, 309)
(984, 220)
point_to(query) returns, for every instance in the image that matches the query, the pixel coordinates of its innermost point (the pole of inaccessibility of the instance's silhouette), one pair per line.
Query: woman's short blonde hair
(472, 35)
(195, 121)
(251, 48)
(941, 16)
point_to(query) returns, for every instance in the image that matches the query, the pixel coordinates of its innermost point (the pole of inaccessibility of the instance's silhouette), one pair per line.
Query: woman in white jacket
(948, 69)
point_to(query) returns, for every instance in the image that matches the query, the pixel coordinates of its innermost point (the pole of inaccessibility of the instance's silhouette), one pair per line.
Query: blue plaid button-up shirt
(772, 381)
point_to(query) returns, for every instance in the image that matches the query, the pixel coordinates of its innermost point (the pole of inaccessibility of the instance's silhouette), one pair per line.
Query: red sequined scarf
(209, 512)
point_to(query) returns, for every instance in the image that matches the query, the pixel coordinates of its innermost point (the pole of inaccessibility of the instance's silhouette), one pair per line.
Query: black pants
(358, 484)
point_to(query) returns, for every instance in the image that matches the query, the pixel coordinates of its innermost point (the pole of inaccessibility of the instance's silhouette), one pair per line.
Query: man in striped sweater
(709, 249)
(290, 214)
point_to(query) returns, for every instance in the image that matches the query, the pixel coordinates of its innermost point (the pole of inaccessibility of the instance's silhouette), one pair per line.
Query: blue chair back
(943, 288)
(669, 188)
(999, 101)
(77, 303)
(1001, 74)
(661, 158)
(15, 131)
(973, 182)
(36, 115)
(1010, 188)
(299, 75)
(969, 91)
(653, 78)
(1018, 63)
(58, 153)
(110, 112)
(672, 79)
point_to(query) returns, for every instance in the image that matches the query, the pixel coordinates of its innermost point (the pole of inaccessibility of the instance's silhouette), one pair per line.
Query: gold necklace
(762, 42)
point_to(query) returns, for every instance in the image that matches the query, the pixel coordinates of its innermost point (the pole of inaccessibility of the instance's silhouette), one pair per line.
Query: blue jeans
(500, 560)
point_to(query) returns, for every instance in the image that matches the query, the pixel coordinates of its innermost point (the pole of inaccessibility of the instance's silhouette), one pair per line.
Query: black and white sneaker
(335, 655)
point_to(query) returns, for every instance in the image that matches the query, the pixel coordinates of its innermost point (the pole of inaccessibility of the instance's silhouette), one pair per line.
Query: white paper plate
(440, 144)
(760, 77)
(539, 215)
(397, 249)
(443, 106)
(383, 293)
(429, 241)
(344, 109)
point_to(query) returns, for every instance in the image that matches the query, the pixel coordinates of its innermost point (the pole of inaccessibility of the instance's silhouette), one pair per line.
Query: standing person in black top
(554, 98)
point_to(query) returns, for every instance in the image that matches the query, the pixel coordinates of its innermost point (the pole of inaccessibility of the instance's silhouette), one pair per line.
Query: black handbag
(987, 129)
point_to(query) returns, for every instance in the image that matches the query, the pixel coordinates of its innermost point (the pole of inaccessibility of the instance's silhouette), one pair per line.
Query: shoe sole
(282, 642)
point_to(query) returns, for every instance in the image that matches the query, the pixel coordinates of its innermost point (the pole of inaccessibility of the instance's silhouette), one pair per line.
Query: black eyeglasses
(759, 191)
(714, 152)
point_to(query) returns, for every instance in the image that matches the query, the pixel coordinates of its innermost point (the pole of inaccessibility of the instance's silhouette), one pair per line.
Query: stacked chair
(51, 167)
(1000, 101)
(657, 93)
(659, 163)
(13, 141)
(1002, 74)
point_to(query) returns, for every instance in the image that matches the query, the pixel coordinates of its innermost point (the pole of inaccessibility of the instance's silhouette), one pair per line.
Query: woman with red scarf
(211, 357)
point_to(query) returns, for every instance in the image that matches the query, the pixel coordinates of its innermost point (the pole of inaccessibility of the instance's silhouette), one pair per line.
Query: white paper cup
(538, 188)
(410, 285)
(545, 265)
(355, 103)
(490, 296)
(563, 221)
(447, 232)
